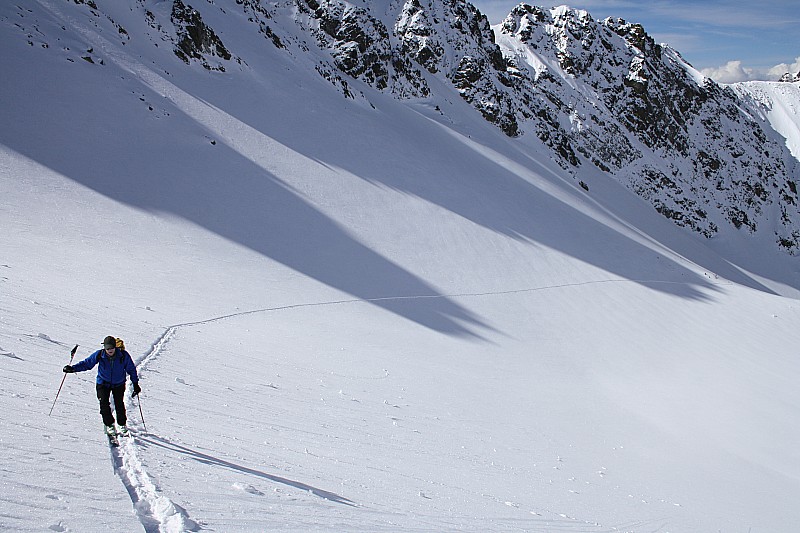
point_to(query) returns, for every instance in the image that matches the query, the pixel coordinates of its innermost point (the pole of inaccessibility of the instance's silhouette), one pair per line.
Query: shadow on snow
(215, 461)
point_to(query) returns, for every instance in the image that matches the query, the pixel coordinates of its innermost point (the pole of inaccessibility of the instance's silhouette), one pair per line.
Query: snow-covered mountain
(383, 267)
(640, 112)
(599, 93)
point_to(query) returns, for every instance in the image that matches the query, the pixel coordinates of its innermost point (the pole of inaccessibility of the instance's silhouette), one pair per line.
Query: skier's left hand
(136, 389)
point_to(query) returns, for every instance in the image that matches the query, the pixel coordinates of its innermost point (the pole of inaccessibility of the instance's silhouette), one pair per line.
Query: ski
(113, 441)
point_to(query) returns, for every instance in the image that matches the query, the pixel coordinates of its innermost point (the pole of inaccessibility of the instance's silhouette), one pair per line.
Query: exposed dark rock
(195, 39)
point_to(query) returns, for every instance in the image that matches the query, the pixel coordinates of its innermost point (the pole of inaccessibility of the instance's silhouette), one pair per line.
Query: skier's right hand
(68, 369)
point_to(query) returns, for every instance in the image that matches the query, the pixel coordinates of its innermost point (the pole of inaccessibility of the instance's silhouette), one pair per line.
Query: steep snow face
(779, 103)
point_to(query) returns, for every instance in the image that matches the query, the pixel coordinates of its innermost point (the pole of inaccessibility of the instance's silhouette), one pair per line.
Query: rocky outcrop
(361, 47)
(788, 78)
(196, 40)
(452, 39)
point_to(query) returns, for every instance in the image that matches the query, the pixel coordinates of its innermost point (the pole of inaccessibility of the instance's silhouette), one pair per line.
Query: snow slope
(780, 103)
(356, 315)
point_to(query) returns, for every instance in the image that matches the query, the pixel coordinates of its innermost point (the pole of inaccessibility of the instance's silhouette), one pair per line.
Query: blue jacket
(112, 369)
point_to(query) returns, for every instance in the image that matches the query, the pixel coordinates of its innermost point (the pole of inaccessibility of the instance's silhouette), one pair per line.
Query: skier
(114, 364)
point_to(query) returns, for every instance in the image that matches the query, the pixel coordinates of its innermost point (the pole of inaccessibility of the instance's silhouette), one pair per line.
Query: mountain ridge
(595, 93)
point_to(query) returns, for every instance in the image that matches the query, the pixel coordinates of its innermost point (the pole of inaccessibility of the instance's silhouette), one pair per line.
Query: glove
(68, 369)
(136, 389)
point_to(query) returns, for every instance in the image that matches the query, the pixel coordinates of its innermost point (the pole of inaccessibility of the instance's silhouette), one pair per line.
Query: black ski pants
(104, 392)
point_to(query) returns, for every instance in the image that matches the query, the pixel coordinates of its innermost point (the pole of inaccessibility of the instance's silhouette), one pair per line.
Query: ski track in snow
(156, 512)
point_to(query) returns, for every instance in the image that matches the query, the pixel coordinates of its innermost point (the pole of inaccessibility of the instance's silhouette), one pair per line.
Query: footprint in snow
(10, 355)
(248, 489)
(182, 382)
(44, 336)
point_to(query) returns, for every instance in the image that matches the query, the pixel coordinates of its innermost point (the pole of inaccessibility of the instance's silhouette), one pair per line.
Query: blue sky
(729, 40)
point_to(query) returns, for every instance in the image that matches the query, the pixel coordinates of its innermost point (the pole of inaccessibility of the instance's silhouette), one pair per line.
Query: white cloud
(731, 72)
(779, 70)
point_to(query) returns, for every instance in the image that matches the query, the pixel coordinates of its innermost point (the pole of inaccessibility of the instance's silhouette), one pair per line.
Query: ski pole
(140, 412)
(71, 356)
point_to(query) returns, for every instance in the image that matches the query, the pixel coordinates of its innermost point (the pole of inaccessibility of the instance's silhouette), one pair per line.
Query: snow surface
(781, 104)
(358, 319)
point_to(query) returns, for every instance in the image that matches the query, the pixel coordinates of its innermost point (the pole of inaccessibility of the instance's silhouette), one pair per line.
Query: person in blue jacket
(114, 363)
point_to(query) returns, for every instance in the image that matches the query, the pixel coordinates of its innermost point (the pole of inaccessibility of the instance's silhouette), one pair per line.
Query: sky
(727, 40)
